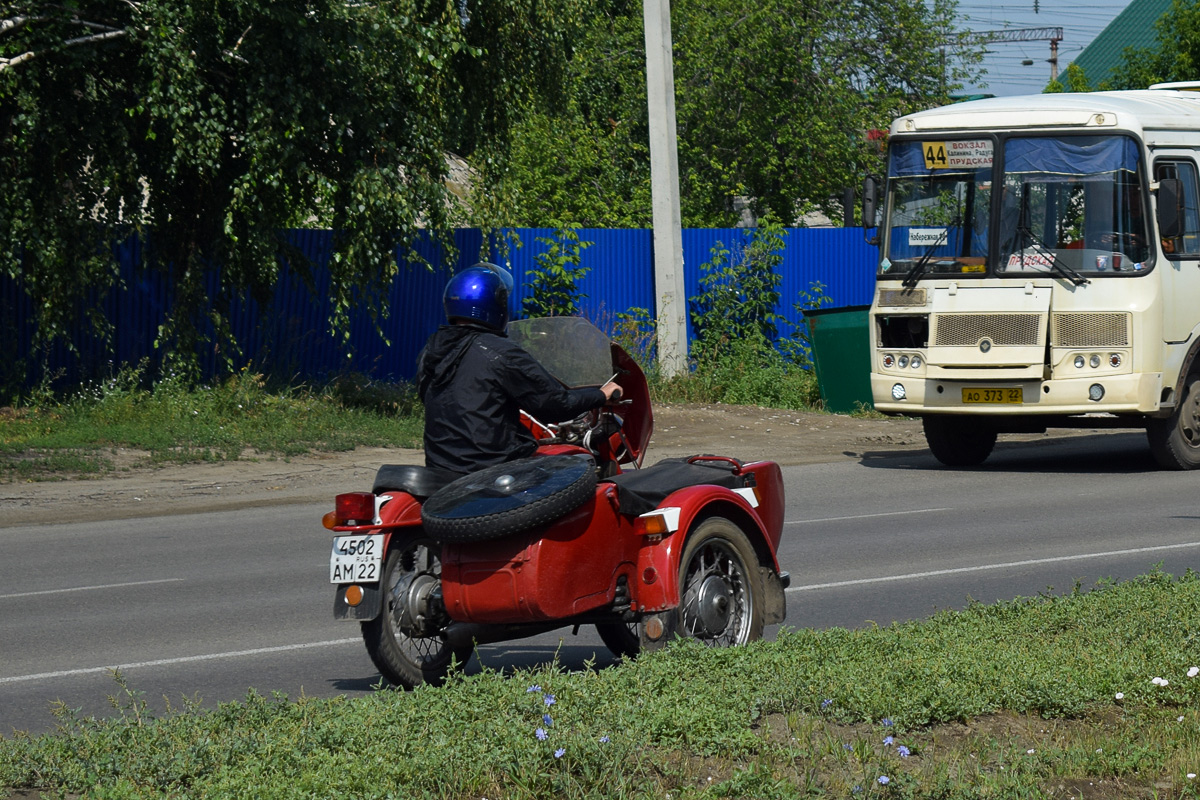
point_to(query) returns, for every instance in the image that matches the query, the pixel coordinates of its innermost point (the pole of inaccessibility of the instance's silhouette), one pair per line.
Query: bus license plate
(356, 559)
(990, 394)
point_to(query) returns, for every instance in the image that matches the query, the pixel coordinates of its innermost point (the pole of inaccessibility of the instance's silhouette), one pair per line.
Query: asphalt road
(208, 607)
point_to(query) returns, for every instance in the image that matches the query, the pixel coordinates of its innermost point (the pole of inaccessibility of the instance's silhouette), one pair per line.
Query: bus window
(1186, 245)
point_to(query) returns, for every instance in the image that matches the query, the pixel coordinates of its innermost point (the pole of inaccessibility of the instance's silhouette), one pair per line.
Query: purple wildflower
(534, 688)
(887, 741)
(540, 733)
(884, 780)
(549, 700)
(546, 719)
(903, 751)
(560, 752)
(604, 739)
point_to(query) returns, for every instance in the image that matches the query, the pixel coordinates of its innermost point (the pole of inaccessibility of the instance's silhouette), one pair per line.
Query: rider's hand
(612, 392)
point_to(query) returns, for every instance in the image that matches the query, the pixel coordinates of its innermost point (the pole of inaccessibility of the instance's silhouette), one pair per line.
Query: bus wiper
(1056, 263)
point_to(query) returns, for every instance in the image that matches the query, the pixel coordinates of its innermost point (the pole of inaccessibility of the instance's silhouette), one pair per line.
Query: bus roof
(1136, 110)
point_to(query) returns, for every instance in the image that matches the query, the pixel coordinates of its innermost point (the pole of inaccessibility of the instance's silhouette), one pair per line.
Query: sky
(1081, 22)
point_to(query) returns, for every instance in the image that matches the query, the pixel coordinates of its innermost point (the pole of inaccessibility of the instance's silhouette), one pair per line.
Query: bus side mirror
(870, 206)
(1170, 208)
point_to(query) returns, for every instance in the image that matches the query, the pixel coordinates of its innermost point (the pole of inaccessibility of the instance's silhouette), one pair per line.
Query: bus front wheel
(1175, 440)
(959, 441)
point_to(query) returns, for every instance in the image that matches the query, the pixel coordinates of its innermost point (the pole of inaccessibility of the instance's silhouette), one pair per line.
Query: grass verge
(75, 436)
(1092, 694)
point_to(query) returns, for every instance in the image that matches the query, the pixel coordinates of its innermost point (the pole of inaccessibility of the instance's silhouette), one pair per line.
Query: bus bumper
(1121, 394)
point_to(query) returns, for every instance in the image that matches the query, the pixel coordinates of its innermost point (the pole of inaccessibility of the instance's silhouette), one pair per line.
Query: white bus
(1039, 266)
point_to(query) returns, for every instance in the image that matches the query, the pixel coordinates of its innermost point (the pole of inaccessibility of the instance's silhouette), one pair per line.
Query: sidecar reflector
(658, 522)
(354, 595)
(355, 507)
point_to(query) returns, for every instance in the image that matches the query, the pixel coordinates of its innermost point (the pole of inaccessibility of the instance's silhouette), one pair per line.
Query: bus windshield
(1072, 206)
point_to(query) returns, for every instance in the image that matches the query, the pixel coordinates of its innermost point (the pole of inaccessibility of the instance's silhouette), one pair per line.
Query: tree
(209, 127)
(774, 100)
(1174, 57)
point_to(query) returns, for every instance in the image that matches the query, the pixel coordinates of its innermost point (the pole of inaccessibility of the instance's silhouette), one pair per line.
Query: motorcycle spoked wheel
(509, 498)
(402, 658)
(720, 589)
(720, 593)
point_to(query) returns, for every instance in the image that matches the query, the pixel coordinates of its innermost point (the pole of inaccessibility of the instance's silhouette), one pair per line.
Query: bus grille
(901, 297)
(966, 330)
(1090, 330)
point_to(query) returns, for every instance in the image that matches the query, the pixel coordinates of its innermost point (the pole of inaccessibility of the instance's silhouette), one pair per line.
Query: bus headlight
(902, 361)
(1096, 392)
(916, 362)
(898, 392)
(1095, 362)
(1078, 362)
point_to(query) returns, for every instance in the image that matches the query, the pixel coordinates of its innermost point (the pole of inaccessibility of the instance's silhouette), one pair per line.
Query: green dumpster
(842, 356)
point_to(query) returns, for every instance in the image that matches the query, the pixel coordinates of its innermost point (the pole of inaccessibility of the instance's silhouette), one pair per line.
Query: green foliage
(739, 291)
(555, 279)
(1012, 700)
(209, 127)
(773, 101)
(235, 418)
(1175, 56)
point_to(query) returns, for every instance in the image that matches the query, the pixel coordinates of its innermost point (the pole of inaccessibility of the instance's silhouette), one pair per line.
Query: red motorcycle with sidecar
(432, 564)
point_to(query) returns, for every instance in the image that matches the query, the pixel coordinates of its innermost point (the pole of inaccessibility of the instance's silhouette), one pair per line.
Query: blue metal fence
(290, 338)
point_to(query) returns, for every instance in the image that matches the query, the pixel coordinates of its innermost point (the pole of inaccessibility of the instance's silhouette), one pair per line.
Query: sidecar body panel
(546, 573)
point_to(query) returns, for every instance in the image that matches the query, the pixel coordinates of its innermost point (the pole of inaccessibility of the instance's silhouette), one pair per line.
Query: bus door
(1180, 270)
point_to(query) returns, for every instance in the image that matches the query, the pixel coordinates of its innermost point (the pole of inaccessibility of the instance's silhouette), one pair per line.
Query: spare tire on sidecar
(509, 498)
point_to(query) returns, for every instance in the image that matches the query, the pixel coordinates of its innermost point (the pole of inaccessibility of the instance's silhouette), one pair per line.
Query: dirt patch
(136, 488)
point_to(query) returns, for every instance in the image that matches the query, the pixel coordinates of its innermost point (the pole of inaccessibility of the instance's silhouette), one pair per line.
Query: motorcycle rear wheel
(403, 659)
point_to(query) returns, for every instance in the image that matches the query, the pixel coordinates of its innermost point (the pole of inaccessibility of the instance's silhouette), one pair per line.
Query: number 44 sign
(958, 154)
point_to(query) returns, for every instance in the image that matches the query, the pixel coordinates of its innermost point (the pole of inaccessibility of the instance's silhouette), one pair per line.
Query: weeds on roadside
(171, 422)
(1089, 694)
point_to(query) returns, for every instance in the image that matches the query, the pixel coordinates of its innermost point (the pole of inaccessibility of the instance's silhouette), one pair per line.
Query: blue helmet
(479, 294)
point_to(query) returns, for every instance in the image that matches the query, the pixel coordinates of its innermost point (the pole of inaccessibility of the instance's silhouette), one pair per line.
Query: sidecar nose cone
(504, 483)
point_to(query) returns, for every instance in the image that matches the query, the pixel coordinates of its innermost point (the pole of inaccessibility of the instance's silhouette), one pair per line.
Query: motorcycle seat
(420, 482)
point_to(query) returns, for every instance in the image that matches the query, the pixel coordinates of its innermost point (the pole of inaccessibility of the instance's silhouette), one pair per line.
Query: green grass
(1016, 700)
(50, 437)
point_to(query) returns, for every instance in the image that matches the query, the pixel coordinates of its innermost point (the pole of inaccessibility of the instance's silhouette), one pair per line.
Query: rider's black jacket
(474, 383)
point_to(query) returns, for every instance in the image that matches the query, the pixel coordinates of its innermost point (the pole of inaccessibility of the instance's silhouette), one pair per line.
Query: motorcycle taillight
(355, 508)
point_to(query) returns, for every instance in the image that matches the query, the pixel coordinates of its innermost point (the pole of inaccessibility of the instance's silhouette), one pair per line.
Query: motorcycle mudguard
(401, 509)
(762, 521)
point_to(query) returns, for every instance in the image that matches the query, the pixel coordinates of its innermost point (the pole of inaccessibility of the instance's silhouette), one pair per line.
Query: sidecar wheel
(622, 639)
(404, 659)
(720, 588)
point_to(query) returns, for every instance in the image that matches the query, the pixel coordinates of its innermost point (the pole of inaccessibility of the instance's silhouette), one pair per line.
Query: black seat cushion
(418, 481)
(642, 490)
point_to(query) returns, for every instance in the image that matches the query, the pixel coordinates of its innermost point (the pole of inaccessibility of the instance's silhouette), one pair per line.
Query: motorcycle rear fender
(399, 514)
(659, 558)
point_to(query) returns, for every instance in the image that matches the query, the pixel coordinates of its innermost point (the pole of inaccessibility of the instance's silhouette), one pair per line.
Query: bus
(1039, 267)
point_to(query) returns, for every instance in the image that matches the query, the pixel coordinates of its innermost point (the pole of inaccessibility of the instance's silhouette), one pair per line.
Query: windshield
(572, 349)
(1072, 206)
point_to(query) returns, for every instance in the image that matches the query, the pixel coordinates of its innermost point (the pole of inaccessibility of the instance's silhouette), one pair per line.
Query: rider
(474, 381)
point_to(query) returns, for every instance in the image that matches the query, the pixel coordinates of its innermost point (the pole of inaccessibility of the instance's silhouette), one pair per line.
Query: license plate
(989, 394)
(356, 559)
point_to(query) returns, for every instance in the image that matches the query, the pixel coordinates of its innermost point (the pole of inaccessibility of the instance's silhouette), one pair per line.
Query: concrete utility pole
(671, 302)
